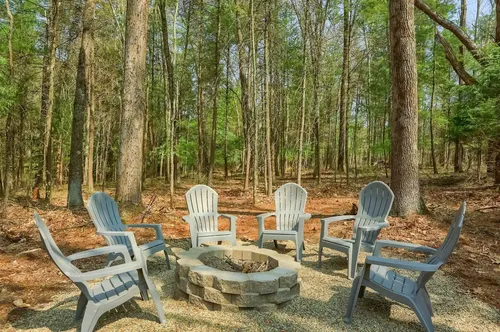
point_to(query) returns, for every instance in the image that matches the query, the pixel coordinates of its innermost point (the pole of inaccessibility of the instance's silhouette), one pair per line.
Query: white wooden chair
(104, 213)
(375, 202)
(378, 274)
(123, 283)
(203, 217)
(290, 200)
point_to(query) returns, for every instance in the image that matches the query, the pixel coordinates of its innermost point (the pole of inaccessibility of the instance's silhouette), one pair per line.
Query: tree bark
(134, 104)
(80, 103)
(404, 159)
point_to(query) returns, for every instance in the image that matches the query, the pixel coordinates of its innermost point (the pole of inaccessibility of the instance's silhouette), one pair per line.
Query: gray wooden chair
(203, 217)
(378, 275)
(126, 280)
(104, 213)
(290, 200)
(375, 202)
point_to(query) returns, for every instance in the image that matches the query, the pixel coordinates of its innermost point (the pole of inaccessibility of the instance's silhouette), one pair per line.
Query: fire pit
(238, 278)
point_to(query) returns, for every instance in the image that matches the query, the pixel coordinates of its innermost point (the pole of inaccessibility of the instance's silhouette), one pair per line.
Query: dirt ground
(29, 279)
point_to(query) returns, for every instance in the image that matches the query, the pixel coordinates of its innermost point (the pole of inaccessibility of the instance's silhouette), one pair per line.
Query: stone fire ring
(209, 288)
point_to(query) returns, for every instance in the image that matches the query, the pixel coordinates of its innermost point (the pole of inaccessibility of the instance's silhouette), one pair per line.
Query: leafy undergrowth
(29, 278)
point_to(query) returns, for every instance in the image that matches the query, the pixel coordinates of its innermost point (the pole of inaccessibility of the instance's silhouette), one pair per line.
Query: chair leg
(168, 260)
(352, 265)
(90, 318)
(275, 244)
(427, 299)
(193, 242)
(261, 241)
(353, 297)
(423, 313)
(320, 253)
(80, 308)
(361, 292)
(299, 247)
(156, 300)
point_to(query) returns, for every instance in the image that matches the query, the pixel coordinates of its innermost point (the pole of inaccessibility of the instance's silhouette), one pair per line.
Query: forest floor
(29, 280)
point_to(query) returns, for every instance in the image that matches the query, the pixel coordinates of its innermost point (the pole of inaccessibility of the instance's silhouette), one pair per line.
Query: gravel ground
(321, 307)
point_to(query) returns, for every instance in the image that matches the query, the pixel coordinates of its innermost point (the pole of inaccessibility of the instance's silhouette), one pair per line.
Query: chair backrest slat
(55, 254)
(375, 202)
(202, 204)
(446, 249)
(290, 202)
(104, 213)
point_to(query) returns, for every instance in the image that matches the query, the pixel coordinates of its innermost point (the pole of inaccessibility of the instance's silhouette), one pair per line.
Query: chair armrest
(401, 245)
(265, 215)
(326, 221)
(401, 264)
(156, 227)
(118, 248)
(105, 272)
(131, 238)
(261, 218)
(187, 218)
(305, 216)
(231, 218)
(373, 227)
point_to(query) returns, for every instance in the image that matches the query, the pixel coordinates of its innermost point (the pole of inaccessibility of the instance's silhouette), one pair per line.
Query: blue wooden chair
(124, 281)
(104, 213)
(378, 274)
(375, 202)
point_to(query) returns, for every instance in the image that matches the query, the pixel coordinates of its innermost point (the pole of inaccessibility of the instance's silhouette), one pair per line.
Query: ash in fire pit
(232, 279)
(236, 265)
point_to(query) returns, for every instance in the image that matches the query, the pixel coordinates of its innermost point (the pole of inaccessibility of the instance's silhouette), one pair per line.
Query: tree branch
(452, 59)
(453, 28)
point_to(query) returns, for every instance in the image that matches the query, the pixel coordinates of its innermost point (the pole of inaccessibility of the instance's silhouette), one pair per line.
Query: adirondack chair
(375, 202)
(377, 275)
(104, 213)
(203, 217)
(127, 280)
(290, 200)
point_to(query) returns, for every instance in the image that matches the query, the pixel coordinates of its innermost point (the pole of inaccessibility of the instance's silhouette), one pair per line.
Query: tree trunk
(90, 104)
(47, 100)
(255, 149)
(134, 104)
(81, 101)
(303, 96)
(226, 124)
(404, 158)
(343, 91)
(266, 102)
(244, 100)
(431, 108)
(215, 107)
(9, 126)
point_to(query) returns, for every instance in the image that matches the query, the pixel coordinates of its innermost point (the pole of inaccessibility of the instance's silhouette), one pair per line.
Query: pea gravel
(321, 306)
